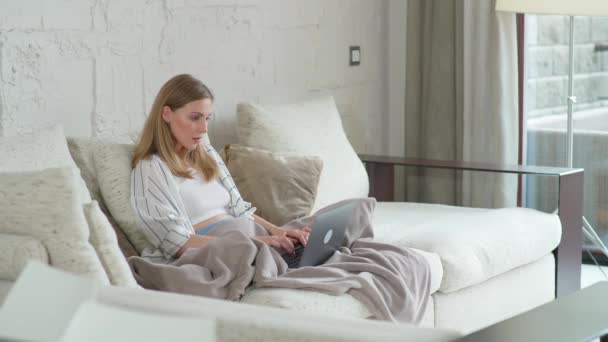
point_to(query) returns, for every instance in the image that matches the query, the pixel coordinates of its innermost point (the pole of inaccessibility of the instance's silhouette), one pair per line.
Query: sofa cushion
(46, 148)
(113, 167)
(282, 187)
(105, 243)
(307, 301)
(436, 268)
(16, 251)
(473, 244)
(46, 205)
(307, 128)
(504, 296)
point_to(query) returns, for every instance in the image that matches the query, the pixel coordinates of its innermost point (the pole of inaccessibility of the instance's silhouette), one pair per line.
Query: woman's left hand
(295, 235)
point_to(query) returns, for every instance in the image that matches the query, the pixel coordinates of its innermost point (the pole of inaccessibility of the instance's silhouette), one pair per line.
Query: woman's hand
(278, 241)
(294, 235)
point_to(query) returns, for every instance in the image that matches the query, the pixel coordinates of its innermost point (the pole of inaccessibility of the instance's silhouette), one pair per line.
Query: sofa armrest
(568, 254)
(16, 251)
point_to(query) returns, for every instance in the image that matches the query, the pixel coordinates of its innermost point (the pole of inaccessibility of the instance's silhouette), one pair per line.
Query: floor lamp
(571, 8)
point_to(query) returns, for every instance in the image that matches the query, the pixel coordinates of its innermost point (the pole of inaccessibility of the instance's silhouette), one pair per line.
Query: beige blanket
(393, 282)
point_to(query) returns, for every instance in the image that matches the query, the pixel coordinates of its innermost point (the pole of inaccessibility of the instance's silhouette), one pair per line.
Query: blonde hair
(156, 136)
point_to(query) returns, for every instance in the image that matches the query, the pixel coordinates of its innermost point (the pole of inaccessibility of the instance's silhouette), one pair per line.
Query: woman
(180, 186)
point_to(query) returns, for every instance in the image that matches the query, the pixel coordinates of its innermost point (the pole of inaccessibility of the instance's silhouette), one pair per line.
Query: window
(545, 110)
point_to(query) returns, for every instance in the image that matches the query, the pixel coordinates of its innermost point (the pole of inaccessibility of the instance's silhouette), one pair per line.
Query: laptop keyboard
(293, 260)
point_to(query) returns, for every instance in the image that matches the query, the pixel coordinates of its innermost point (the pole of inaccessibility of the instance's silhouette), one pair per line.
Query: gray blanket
(393, 282)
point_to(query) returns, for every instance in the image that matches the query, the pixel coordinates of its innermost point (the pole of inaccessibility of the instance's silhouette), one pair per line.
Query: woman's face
(189, 123)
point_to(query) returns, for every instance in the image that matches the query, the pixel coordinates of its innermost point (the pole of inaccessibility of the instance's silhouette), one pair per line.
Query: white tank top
(202, 200)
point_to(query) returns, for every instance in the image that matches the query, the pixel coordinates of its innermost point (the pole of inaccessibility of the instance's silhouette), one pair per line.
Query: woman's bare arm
(287, 238)
(270, 228)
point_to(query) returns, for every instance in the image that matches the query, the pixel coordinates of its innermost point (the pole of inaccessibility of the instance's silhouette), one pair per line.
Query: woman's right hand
(278, 241)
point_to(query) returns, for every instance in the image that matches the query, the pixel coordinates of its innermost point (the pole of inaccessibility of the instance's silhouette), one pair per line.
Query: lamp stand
(571, 97)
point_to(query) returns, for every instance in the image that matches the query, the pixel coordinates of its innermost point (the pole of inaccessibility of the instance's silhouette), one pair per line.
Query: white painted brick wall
(96, 65)
(66, 15)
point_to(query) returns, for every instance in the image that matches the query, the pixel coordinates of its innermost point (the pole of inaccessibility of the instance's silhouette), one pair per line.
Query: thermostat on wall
(355, 55)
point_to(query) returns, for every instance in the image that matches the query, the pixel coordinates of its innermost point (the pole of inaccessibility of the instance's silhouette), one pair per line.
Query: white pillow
(47, 148)
(105, 243)
(113, 167)
(45, 205)
(307, 128)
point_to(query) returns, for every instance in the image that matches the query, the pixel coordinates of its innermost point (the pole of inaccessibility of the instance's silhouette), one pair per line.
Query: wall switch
(355, 55)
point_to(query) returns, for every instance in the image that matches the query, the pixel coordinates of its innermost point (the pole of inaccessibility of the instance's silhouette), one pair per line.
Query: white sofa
(481, 259)
(487, 265)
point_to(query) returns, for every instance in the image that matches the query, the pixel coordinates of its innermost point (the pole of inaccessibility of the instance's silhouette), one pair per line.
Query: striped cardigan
(160, 212)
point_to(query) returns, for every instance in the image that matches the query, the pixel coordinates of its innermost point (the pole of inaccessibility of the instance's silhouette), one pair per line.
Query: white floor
(591, 274)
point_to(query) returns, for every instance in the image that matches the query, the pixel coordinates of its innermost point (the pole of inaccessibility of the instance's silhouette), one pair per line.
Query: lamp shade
(560, 7)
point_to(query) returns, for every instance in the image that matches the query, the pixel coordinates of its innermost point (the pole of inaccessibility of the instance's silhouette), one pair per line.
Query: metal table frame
(568, 255)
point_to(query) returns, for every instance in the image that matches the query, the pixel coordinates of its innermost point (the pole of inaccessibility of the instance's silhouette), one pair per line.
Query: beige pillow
(105, 243)
(113, 168)
(46, 206)
(311, 127)
(282, 187)
(82, 150)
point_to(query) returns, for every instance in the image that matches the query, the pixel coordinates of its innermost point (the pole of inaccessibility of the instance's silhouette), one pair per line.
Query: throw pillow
(46, 205)
(282, 187)
(307, 128)
(113, 168)
(105, 243)
(46, 148)
(82, 150)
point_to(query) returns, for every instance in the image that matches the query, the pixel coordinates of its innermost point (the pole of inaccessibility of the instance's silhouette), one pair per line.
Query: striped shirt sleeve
(238, 207)
(156, 210)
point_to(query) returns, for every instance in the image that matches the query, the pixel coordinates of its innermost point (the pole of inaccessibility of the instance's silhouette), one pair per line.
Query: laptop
(327, 235)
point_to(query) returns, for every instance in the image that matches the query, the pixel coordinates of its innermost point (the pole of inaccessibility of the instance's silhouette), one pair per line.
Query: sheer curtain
(461, 99)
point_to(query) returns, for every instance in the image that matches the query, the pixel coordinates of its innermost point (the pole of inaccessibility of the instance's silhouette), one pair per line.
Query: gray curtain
(461, 100)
